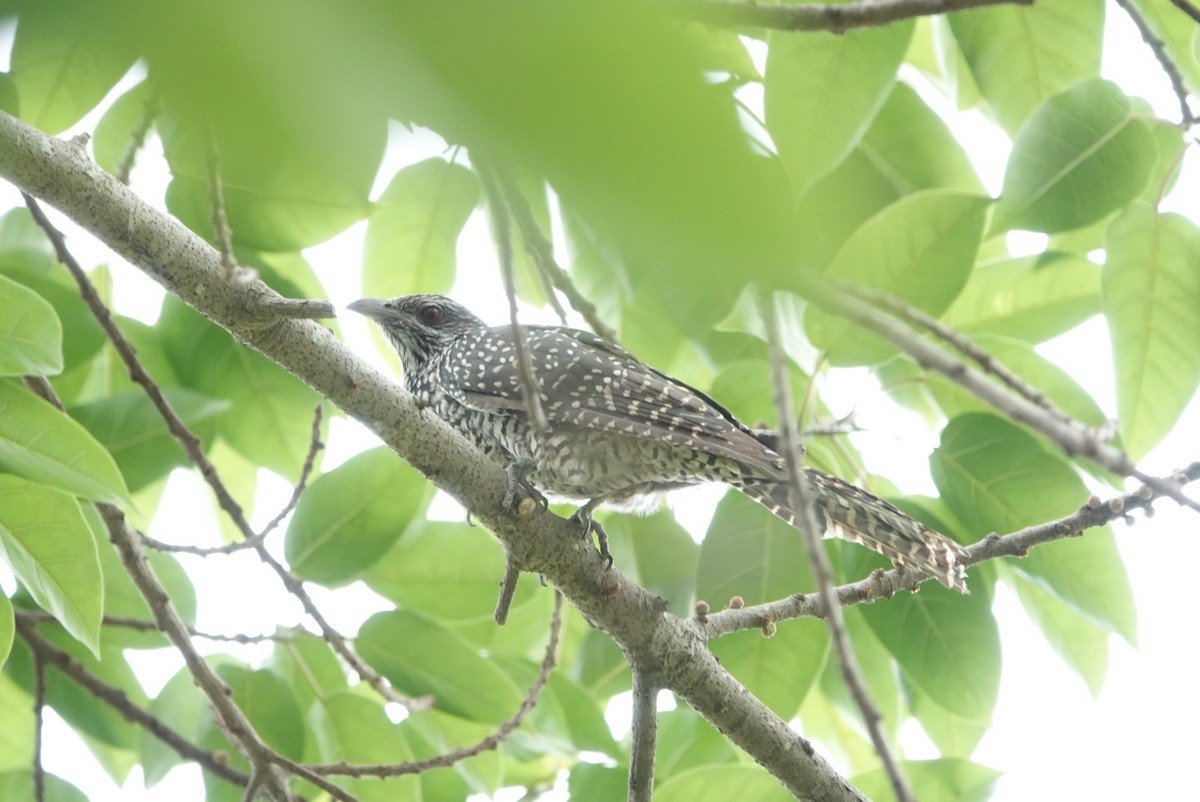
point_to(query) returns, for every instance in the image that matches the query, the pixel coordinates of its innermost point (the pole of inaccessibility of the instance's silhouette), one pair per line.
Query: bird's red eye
(431, 314)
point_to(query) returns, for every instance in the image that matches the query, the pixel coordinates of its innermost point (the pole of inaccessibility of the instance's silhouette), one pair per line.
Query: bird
(618, 432)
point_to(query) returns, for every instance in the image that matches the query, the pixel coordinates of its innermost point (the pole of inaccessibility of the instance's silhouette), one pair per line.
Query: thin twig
(817, 17)
(1159, 49)
(542, 252)
(643, 736)
(222, 233)
(488, 743)
(194, 450)
(883, 584)
(137, 138)
(39, 709)
(508, 588)
(142, 625)
(1188, 8)
(118, 700)
(502, 231)
(802, 496)
(314, 447)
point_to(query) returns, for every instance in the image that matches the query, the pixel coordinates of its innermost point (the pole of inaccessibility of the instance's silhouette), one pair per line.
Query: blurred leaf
(413, 231)
(952, 734)
(1033, 298)
(30, 334)
(1081, 644)
(919, 249)
(65, 59)
(7, 628)
(1022, 55)
(434, 733)
(269, 705)
(686, 741)
(750, 553)
(46, 542)
(591, 782)
(81, 335)
(447, 570)
(113, 135)
(420, 657)
(1082, 154)
(128, 425)
(821, 93)
(16, 736)
(311, 669)
(367, 501)
(180, 705)
(713, 783)
(44, 445)
(18, 785)
(1178, 33)
(354, 729)
(658, 553)
(1151, 283)
(945, 780)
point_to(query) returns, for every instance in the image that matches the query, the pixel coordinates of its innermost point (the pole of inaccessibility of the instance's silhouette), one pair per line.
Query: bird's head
(419, 326)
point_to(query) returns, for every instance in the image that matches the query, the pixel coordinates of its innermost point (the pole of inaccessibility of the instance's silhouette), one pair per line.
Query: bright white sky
(1050, 737)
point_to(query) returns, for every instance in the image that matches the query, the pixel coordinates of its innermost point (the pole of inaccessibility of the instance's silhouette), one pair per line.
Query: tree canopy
(769, 202)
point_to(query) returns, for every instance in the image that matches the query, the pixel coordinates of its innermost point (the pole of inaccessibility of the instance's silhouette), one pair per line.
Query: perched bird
(619, 431)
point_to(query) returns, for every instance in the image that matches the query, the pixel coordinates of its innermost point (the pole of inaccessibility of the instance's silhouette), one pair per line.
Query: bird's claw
(583, 517)
(517, 473)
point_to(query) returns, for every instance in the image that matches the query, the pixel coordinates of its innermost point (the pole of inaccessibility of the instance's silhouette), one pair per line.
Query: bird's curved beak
(371, 307)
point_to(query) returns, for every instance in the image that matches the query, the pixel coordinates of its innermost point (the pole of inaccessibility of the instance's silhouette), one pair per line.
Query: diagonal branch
(835, 18)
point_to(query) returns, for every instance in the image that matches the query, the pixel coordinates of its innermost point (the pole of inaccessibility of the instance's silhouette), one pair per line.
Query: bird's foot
(517, 472)
(583, 517)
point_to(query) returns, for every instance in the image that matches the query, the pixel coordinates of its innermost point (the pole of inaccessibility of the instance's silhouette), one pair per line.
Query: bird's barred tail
(849, 513)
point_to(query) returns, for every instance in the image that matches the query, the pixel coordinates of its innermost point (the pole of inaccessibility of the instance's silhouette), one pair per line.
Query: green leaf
(1033, 298)
(945, 780)
(312, 671)
(417, 574)
(658, 553)
(16, 736)
(65, 60)
(714, 783)
(750, 553)
(1151, 284)
(821, 93)
(349, 517)
(44, 445)
(433, 733)
(947, 645)
(1021, 55)
(352, 728)
(270, 705)
(1178, 33)
(7, 628)
(421, 657)
(30, 334)
(1082, 155)
(113, 135)
(412, 233)
(128, 425)
(591, 782)
(182, 707)
(686, 741)
(45, 540)
(1081, 644)
(18, 785)
(919, 249)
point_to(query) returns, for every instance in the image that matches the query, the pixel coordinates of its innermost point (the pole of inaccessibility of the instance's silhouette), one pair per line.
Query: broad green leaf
(919, 249)
(49, 547)
(947, 645)
(878, 670)
(352, 728)
(1033, 298)
(998, 478)
(821, 93)
(1082, 154)
(7, 628)
(419, 657)
(181, 706)
(686, 741)
(944, 780)
(113, 135)
(915, 149)
(30, 334)
(592, 782)
(16, 736)
(713, 783)
(24, 249)
(311, 669)
(412, 233)
(348, 518)
(1021, 55)
(65, 59)
(658, 553)
(1151, 283)
(952, 734)
(81, 335)
(748, 552)
(269, 704)
(18, 785)
(44, 445)
(1081, 644)
(128, 425)
(448, 570)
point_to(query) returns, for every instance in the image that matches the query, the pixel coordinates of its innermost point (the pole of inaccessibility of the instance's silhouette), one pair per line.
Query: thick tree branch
(835, 18)
(185, 265)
